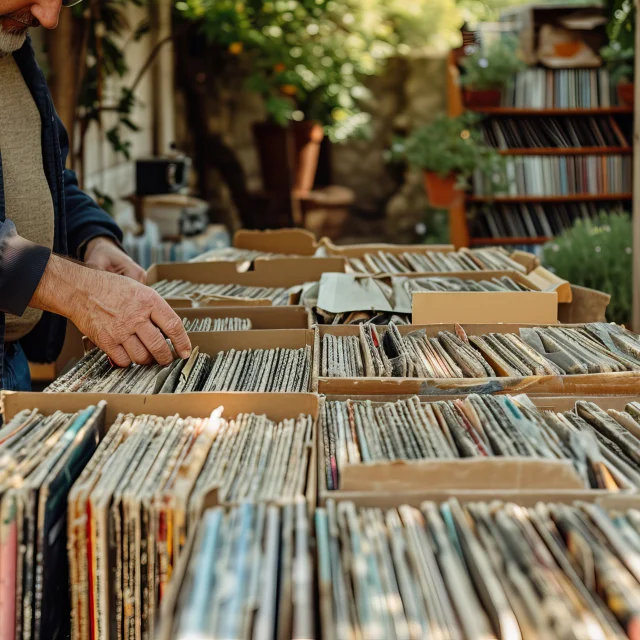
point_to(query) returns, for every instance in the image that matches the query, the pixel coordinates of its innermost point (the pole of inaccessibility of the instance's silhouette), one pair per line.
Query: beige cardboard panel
(358, 250)
(470, 473)
(213, 342)
(187, 303)
(626, 383)
(587, 305)
(430, 307)
(280, 272)
(526, 259)
(276, 406)
(388, 500)
(295, 317)
(548, 281)
(295, 242)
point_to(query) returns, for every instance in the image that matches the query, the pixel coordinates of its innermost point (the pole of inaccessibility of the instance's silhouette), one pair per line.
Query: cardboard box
(276, 406)
(466, 478)
(358, 250)
(587, 305)
(626, 383)
(279, 272)
(262, 317)
(294, 242)
(349, 292)
(213, 342)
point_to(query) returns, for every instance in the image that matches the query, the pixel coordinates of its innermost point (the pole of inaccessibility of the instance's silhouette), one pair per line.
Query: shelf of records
(481, 358)
(147, 515)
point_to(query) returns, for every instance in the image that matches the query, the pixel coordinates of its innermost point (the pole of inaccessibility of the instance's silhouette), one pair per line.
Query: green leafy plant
(619, 53)
(453, 145)
(597, 254)
(309, 58)
(493, 67)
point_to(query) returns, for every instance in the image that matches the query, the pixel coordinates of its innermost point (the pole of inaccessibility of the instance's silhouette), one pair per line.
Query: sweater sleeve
(22, 264)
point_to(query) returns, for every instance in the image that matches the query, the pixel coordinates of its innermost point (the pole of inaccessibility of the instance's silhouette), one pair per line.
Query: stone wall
(409, 93)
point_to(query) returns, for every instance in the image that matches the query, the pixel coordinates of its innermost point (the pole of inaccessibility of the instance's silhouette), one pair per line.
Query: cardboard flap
(548, 281)
(447, 307)
(528, 260)
(345, 292)
(295, 242)
(587, 305)
(467, 473)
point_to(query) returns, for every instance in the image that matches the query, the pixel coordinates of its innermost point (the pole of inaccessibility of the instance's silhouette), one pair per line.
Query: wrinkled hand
(104, 254)
(119, 315)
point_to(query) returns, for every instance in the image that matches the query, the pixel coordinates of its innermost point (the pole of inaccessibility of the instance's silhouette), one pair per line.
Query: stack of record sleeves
(435, 261)
(443, 283)
(201, 293)
(217, 324)
(133, 506)
(284, 370)
(534, 351)
(600, 444)
(478, 571)
(249, 575)
(40, 459)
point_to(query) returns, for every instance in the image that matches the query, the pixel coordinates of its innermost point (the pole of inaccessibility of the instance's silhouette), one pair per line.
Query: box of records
(479, 444)
(346, 298)
(501, 568)
(268, 360)
(244, 318)
(108, 512)
(587, 359)
(277, 281)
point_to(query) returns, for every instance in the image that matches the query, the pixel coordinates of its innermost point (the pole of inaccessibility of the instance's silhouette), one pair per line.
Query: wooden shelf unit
(576, 197)
(567, 151)
(519, 111)
(459, 231)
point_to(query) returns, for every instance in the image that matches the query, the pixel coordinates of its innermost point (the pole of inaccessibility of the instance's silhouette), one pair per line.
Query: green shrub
(597, 254)
(493, 67)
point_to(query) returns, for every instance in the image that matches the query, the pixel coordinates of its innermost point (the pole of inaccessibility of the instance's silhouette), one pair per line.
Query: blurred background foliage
(597, 254)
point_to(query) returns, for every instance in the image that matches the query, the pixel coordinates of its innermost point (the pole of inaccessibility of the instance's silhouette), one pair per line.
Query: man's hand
(104, 254)
(119, 315)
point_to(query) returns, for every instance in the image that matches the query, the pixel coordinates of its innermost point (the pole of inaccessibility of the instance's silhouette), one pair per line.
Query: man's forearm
(61, 286)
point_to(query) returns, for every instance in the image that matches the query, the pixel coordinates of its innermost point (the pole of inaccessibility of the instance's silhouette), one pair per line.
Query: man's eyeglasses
(70, 3)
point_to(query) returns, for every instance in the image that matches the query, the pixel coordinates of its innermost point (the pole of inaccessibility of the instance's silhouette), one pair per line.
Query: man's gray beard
(10, 42)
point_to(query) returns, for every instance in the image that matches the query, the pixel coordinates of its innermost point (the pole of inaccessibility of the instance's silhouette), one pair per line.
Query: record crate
(615, 383)
(261, 317)
(525, 480)
(276, 407)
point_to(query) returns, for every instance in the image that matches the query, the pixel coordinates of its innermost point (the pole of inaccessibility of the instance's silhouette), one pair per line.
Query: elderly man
(44, 217)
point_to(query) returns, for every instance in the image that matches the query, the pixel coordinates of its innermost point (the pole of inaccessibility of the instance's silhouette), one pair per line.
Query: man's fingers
(163, 316)
(155, 343)
(137, 351)
(118, 356)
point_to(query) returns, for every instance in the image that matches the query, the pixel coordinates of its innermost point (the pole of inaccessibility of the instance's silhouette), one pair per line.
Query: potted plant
(450, 151)
(486, 71)
(619, 54)
(620, 63)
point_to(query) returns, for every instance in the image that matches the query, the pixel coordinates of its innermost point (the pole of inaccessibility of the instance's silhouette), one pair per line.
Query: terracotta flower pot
(441, 192)
(288, 155)
(566, 49)
(479, 99)
(625, 93)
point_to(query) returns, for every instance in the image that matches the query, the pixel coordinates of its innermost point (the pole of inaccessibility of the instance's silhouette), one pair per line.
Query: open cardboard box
(625, 383)
(279, 272)
(294, 317)
(349, 292)
(276, 406)
(213, 342)
(467, 478)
